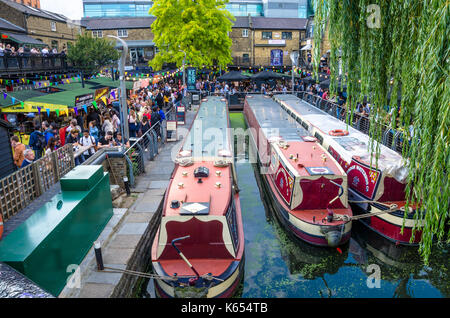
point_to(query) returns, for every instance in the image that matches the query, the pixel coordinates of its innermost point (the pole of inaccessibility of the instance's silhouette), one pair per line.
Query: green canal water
(277, 265)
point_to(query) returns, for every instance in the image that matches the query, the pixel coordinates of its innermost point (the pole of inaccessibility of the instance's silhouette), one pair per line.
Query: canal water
(277, 265)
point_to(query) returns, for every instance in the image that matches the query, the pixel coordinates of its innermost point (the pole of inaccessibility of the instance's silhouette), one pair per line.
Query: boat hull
(314, 234)
(387, 225)
(225, 289)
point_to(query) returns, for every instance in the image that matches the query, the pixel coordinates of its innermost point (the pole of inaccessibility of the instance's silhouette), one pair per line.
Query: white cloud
(72, 9)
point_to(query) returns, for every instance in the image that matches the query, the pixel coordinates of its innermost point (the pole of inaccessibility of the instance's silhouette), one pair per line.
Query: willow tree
(195, 30)
(400, 46)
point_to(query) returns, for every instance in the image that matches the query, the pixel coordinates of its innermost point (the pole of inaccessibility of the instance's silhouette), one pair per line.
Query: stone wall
(140, 261)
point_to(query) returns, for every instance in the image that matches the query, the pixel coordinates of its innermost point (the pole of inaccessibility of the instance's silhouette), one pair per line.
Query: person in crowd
(107, 124)
(19, 149)
(107, 141)
(73, 125)
(115, 121)
(120, 141)
(132, 123)
(88, 141)
(48, 131)
(73, 139)
(28, 158)
(37, 142)
(93, 131)
(51, 146)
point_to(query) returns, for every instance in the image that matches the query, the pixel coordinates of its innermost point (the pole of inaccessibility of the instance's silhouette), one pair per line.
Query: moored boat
(374, 190)
(306, 184)
(198, 250)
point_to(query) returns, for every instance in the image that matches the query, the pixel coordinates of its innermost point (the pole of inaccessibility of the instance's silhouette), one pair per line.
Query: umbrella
(312, 79)
(265, 75)
(233, 76)
(326, 84)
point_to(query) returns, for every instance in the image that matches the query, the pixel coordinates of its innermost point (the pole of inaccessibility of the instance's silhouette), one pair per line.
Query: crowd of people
(100, 127)
(7, 50)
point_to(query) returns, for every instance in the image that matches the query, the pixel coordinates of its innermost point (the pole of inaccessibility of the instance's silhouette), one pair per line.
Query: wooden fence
(20, 188)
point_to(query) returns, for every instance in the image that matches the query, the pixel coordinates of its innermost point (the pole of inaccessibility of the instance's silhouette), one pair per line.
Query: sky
(73, 9)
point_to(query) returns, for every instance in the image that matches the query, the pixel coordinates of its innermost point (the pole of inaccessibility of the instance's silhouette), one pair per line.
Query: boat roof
(305, 157)
(354, 144)
(274, 120)
(209, 132)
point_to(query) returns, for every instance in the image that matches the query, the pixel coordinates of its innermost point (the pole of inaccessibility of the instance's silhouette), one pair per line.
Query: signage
(99, 93)
(181, 115)
(362, 179)
(171, 131)
(276, 58)
(191, 78)
(279, 42)
(86, 99)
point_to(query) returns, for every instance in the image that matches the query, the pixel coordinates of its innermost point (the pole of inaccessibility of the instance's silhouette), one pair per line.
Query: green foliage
(90, 54)
(199, 28)
(407, 54)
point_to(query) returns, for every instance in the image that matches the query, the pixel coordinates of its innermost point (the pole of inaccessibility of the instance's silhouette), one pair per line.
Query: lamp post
(184, 69)
(294, 58)
(123, 91)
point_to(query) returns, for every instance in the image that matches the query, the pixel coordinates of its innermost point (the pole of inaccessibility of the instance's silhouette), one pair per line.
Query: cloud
(72, 9)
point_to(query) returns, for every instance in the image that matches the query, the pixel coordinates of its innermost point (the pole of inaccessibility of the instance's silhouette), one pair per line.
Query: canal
(277, 265)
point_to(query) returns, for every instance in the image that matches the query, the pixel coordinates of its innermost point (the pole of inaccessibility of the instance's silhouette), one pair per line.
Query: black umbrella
(326, 84)
(233, 76)
(265, 75)
(312, 79)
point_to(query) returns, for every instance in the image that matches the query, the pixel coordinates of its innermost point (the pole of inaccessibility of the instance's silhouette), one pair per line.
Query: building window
(245, 33)
(267, 35)
(286, 35)
(54, 44)
(53, 26)
(122, 33)
(245, 58)
(97, 34)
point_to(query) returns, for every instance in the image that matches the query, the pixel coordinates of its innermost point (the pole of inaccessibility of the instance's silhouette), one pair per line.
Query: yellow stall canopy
(32, 107)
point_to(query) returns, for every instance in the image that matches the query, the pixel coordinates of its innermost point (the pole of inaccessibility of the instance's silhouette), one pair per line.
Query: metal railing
(391, 138)
(22, 187)
(33, 63)
(146, 147)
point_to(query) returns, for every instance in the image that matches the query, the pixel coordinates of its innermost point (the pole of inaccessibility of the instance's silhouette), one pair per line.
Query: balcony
(32, 64)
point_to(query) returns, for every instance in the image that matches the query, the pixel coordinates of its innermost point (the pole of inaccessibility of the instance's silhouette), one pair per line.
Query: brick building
(266, 42)
(135, 31)
(54, 30)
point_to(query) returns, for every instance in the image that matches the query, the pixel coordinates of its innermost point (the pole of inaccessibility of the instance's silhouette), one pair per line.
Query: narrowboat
(307, 186)
(198, 249)
(373, 189)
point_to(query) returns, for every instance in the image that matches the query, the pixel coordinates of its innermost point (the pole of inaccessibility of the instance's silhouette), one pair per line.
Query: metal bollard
(98, 256)
(127, 186)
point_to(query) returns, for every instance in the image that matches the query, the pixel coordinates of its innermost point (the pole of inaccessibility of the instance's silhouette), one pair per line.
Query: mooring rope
(147, 275)
(391, 208)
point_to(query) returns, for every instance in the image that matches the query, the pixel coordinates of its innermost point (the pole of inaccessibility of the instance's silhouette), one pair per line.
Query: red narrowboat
(198, 250)
(306, 184)
(372, 189)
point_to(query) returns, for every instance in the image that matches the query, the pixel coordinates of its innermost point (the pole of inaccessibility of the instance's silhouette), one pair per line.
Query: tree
(197, 28)
(90, 54)
(400, 46)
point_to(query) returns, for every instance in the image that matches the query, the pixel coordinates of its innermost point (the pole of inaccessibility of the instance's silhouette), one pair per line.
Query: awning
(22, 39)
(136, 44)
(306, 47)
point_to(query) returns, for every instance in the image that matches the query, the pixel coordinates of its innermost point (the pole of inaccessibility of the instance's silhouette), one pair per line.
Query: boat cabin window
(319, 137)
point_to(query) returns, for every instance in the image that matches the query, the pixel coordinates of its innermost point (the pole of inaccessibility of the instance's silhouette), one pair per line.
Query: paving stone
(106, 278)
(133, 229)
(140, 217)
(125, 241)
(92, 290)
(147, 207)
(155, 192)
(159, 184)
(119, 211)
(117, 256)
